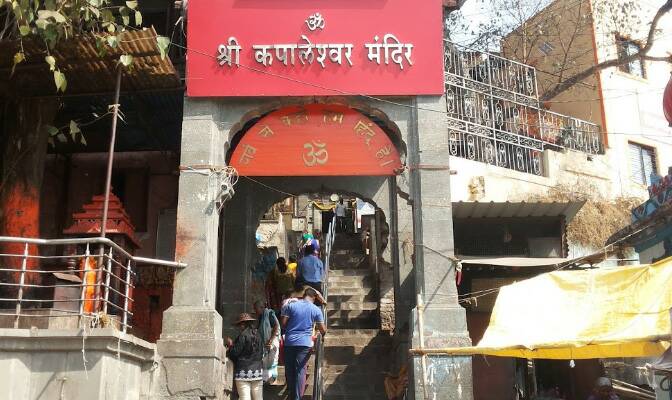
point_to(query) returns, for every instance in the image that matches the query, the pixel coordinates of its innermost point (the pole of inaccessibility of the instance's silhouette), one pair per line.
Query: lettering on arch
(316, 140)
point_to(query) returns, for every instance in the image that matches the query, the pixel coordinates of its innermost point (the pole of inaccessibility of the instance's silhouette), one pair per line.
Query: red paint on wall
(150, 303)
(21, 218)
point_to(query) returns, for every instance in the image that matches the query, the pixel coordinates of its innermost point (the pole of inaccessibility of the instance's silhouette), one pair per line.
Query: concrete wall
(75, 365)
(628, 108)
(475, 181)
(633, 106)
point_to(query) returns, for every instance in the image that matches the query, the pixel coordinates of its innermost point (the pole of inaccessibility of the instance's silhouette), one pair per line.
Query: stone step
(356, 267)
(360, 369)
(349, 282)
(347, 251)
(352, 314)
(342, 262)
(353, 323)
(370, 333)
(336, 341)
(351, 298)
(349, 272)
(364, 278)
(351, 305)
(366, 396)
(354, 291)
(355, 381)
(365, 353)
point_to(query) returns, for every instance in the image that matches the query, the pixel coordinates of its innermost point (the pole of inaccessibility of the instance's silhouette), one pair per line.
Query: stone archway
(191, 346)
(304, 148)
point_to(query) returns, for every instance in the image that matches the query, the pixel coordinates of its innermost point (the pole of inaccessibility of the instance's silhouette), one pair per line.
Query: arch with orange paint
(316, 140)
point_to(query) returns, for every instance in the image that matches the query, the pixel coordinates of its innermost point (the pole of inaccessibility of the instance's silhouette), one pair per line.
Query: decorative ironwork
(495, 114)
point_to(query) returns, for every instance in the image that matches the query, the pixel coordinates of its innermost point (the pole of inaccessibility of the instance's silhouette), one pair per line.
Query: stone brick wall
(386, 287)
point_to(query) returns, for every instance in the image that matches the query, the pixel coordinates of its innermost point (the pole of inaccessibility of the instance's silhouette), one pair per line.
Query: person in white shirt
(340, 216)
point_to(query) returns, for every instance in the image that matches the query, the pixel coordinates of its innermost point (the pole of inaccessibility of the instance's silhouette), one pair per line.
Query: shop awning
(596, 313)
(523, 209)
(514, 261)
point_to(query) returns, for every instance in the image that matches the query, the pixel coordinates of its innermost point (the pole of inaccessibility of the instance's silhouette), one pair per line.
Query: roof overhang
(514, 262)
(523, 209)
(87, 70)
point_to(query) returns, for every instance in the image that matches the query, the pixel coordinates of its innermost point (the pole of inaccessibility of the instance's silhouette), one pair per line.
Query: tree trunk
(23, 151)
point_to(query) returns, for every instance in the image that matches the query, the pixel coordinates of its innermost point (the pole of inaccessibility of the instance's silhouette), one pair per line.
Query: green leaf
(42, 23)
(163, 43)
(113, 41)
(138, 18)
(125, 17)
(51, 61)
(132, 4)
(46, 14)
(24, 30)
(107, 16)
(82, 140)
(126, 60)
(52, 130)
(74, 129)
(95, 11)
(61, 138)
(60, 81)
(94, 3)
(100, 46)
(18, 58)
(50, 5)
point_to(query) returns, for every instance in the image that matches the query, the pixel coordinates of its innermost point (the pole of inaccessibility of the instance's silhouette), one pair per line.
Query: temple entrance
(294, 164)
(318, 149)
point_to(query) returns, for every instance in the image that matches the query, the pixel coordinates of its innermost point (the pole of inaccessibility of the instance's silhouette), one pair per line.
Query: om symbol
(316, 153)
(315, 21)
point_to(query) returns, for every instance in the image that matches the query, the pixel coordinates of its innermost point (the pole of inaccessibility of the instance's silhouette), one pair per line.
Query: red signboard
(314, 47)
(315, 140)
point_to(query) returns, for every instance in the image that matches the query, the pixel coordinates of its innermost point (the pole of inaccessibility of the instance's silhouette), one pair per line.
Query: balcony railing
(81, 282)
(495, 115)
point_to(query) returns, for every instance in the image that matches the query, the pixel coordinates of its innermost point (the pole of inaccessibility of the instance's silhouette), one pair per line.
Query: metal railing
(318, 389)
(495, 115)
(81, 281)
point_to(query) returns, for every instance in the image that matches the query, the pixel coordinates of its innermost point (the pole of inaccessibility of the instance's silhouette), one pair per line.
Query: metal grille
(495, 116)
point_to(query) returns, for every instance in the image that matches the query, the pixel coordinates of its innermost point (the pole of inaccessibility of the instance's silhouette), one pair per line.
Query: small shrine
(119, 226)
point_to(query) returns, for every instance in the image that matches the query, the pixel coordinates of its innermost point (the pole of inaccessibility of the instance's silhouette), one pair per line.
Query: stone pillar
(191, 347)
(444, 319)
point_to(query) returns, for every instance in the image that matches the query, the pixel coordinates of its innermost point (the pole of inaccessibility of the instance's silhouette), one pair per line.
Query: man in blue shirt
(310, 270)
(297, 319)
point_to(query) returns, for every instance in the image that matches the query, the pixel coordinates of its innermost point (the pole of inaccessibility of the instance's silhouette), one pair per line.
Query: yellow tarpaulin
(597, 313)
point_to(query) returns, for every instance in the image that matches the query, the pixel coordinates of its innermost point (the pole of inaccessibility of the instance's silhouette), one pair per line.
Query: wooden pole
(110, 154)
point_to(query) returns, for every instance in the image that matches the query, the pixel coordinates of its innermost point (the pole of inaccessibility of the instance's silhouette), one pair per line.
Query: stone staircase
(356, 353)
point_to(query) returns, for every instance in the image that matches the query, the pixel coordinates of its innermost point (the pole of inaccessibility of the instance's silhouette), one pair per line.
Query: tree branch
(641, 54)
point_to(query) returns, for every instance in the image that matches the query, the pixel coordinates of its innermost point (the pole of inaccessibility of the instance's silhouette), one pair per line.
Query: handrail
(93, 276)
(91, 240)
(319, 343)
